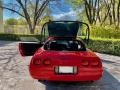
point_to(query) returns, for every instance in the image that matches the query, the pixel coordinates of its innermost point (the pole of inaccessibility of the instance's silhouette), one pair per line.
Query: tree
(22, 21)
(11, 21)
(75, 3)
(99, 11)
(118, 14)
(30, 10)
(45, 19)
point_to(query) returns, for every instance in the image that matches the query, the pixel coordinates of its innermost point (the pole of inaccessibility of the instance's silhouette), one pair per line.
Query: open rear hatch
(63, 29)
(71, 29)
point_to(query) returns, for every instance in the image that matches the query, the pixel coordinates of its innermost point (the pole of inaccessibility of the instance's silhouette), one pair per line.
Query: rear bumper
(84, 74)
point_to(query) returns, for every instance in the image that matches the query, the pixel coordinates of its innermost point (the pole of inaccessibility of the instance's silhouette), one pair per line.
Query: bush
(11, 21)
(9, 37)
(105, 32)
(15, 37)
(109, 46)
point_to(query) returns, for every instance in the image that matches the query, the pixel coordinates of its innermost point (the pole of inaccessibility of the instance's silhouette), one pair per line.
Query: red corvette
(60, 56)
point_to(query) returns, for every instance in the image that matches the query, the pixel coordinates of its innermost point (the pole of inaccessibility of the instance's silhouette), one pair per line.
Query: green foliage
(9, 37)
(16, 37)
(109, 46)
(22, 21)
(11, 21)
(105, 32)
(75, 3)
(45, 19)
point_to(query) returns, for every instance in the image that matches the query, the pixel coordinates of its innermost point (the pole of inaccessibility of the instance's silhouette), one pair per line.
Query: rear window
(65, 45)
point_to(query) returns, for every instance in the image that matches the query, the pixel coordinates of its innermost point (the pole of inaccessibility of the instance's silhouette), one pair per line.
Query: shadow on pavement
(3, 43)
(107, 82)
(111, 62)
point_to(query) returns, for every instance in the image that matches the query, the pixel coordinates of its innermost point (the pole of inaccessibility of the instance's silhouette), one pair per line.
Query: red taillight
(95, 63)
(37, 61)
(47, 62)
(85, 63)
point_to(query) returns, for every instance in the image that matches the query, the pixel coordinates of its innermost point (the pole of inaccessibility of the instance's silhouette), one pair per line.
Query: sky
(60, 11)
(7, 14)
(63, 11)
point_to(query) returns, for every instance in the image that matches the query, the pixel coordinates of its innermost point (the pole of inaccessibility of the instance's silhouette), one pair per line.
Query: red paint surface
(41, 71)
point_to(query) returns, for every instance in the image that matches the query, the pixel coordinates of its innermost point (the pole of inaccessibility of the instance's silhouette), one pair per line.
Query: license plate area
(65, 70)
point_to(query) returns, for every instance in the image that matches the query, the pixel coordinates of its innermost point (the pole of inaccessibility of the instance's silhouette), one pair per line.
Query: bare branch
(40, 11)
(23, 8)
(45, 3)
(12, 10)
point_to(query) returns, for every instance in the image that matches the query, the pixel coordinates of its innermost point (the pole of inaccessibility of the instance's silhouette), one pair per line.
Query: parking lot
(14, 74)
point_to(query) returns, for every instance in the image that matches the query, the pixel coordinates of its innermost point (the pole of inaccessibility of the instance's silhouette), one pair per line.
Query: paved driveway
(14, 74)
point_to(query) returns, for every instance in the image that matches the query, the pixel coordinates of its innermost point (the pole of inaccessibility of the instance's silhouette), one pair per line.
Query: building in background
(1, 19)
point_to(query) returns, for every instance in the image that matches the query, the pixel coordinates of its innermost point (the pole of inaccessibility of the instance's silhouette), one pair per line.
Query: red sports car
(60, 56)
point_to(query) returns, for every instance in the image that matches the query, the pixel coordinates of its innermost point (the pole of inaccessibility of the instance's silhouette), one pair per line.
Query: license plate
(66, 69)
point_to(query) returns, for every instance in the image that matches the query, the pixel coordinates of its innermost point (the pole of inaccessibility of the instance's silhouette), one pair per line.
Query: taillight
(47, 61)
(95, 63)
(85, 63)
(37, 61)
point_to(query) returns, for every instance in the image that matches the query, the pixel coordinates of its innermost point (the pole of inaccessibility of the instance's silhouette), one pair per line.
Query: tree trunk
(98, 12)
(110, 18)
(108, 6)
(88, 10)
(113, 11)
(94, 12)
(118, 14)
(32, 29)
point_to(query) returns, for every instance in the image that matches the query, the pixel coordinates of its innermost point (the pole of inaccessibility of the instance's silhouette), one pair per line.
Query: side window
(44, 33)
(46, 46)
(81, 46)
